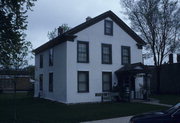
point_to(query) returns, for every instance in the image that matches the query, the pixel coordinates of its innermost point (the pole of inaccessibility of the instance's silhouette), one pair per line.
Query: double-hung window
(106, 54)
(50, 82)
(41, 61)
(125, 55)
(83, 81)
(51, 55)
(106, 81)
(82, 52)
(41, 82)
(108, 27)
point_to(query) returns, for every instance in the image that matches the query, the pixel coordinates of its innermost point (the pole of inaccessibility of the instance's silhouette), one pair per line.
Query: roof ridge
(87, 22)
(70, 33)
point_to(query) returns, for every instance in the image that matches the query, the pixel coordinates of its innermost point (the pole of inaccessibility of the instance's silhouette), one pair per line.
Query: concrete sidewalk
(153, 102)
(113, 120)
(160, 104)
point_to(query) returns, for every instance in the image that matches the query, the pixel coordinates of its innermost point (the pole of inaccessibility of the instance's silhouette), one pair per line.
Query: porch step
(153, 100)
(106, 98)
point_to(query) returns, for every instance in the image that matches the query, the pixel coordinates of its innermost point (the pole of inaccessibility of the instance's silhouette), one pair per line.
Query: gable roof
(133, 68)
(69, 35)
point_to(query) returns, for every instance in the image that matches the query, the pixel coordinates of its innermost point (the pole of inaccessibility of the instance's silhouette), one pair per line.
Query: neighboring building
(10, 78)
(169, 78)
(81, 62)
(170, 59)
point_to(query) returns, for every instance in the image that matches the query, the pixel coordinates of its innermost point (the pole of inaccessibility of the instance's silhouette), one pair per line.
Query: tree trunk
(158, 79)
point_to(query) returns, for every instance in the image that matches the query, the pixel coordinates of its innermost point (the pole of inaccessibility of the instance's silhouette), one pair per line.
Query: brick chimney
(88, 18)
(60, 31)
(170, 58)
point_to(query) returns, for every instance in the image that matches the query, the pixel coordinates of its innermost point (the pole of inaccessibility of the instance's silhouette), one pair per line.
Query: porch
(133, 82)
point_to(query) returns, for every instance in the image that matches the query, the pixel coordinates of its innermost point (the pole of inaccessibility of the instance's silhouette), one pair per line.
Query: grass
(33, 109)
(167, 99)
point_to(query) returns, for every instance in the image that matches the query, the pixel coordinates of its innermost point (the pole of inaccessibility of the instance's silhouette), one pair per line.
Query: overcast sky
(50, 14)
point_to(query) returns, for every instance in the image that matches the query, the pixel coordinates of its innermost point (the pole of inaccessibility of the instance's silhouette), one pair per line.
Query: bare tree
(157, 21)
(54, 33)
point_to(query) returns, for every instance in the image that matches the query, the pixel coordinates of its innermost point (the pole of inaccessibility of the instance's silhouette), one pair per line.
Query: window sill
(82, 62)
(108, 34)
(107, 63)
(83, 91)
(104, 91)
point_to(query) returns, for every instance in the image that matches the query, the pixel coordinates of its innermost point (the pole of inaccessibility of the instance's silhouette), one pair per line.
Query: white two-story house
(81, 62)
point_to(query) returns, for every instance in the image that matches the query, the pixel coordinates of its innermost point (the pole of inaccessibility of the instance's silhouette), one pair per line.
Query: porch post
(145, 87)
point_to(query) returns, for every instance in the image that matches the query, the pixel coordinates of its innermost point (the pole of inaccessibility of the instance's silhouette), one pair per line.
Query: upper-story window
(125, 55)
(51, 55)
(108, 27)
(41, 61)
(82, 52)
(106, 54)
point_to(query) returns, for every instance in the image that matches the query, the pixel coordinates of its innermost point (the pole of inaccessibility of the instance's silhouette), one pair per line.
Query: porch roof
(133, 69)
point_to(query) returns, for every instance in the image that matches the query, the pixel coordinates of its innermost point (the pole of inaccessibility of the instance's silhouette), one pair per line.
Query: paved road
(113, 120)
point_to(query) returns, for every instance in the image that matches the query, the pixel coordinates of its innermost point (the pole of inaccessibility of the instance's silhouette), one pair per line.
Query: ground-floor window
(41, 82)
(83, 81)
(106, 81)
(50, 82)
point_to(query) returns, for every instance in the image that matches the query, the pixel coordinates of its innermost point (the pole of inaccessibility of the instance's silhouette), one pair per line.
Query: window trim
(110, 73)
(129, 54)
(87, 51)
(51, 89)
(51, 62)
(41, 62)
(110, 46)
(111, 22)
(87, 79)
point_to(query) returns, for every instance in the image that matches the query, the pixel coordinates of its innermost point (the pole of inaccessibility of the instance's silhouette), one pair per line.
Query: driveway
(113, 120)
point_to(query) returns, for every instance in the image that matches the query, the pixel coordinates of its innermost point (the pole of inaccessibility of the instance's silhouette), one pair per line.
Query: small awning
(132, 69)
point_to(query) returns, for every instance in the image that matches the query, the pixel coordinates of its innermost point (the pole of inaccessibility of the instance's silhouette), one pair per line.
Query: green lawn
(44, 111)
(167, 99)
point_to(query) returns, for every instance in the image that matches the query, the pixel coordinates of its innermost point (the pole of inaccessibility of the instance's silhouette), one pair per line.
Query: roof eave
(69, 35)
(114, 17)
(60, 39)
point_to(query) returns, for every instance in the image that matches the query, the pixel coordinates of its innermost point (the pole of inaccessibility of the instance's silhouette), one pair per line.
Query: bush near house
(35, 110)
